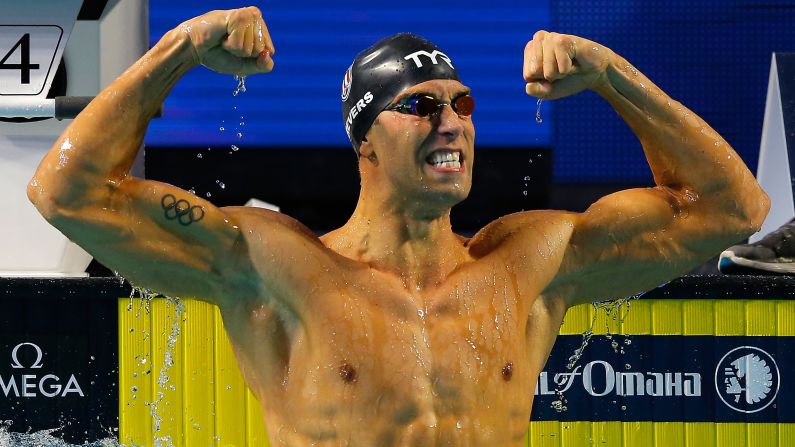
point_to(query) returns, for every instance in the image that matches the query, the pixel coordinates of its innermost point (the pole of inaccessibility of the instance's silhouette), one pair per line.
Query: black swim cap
(381, 72)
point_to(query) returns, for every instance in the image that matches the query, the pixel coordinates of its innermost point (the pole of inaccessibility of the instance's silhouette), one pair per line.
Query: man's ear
(367, 151)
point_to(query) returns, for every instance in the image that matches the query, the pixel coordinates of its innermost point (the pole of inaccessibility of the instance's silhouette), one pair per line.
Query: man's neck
(418, 246)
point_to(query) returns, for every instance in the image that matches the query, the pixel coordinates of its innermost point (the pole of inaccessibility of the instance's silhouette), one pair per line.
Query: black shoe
(774, 253)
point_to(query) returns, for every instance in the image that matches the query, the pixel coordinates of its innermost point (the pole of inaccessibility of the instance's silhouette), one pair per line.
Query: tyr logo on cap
(415, 56)
(347, 80)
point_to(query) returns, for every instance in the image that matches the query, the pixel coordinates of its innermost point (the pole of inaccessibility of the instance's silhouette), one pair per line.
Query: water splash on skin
(63, 158)
(39, 188)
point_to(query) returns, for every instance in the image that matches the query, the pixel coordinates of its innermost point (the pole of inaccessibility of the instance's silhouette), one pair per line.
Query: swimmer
(394, 330)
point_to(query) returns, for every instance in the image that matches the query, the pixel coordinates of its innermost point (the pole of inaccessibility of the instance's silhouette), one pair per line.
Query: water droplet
(221, 128)
(524, 193)
(235, 148)
(241, 85)
(239, 135)
(538, 111)
(208, 194)
(527, 178)
(199, 155)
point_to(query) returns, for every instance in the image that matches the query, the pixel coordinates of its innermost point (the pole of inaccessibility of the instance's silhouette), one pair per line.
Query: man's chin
(446, 196)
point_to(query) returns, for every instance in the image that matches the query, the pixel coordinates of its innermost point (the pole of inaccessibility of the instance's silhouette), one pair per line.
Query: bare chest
(370, 353)
(445, 346)
(435, 344)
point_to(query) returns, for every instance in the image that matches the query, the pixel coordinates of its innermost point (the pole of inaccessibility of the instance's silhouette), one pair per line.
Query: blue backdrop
(298, 104)
(713, 56)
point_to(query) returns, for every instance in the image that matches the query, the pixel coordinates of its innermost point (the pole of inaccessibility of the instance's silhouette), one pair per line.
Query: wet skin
(422, 336)
(393, 330)
(366, 360)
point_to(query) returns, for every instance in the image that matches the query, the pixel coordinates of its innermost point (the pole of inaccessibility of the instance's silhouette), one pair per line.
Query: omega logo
(15, 361)
(31, 385)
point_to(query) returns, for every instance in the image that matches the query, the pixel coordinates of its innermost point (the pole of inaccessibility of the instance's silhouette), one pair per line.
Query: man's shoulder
(260, 219)
(522, 228)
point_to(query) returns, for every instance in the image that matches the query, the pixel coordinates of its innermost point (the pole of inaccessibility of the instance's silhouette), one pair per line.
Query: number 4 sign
(27, 53)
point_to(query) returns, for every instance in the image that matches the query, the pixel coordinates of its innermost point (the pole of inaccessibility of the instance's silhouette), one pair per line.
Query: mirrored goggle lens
(464, 105)
(425, 105)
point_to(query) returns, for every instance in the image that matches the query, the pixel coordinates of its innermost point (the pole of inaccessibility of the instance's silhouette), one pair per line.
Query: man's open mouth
(445, 159)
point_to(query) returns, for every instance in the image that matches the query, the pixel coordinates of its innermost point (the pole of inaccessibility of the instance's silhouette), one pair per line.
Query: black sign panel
(58, 358)
(669, 378)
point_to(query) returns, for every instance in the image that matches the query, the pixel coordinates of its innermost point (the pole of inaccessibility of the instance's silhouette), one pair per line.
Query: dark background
(84, 344)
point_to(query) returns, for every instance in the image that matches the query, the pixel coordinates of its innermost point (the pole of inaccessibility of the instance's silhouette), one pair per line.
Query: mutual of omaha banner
(669, 378)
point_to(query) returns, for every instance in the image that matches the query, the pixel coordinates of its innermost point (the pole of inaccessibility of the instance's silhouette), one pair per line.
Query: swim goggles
(424, 105)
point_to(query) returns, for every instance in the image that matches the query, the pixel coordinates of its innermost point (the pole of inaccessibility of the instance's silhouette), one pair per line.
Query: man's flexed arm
(705, 198)
(83, 186)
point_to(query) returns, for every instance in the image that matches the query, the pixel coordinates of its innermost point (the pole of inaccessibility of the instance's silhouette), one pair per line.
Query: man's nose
(449, 123)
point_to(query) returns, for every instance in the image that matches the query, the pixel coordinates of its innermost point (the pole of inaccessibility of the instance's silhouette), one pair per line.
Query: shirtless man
(393, 330)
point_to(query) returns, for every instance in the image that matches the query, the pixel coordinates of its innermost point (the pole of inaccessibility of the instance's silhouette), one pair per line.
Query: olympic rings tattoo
(181, 210)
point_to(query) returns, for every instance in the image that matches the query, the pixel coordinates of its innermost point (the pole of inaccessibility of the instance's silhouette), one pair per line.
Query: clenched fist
(560, 65)
(234, 41)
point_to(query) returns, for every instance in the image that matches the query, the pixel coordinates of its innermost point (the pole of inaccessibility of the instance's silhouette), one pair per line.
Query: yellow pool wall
(206, 402)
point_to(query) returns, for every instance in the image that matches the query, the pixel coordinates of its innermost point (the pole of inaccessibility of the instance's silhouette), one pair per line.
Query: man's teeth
(440, 156)
(448, 164)
(445, 159)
